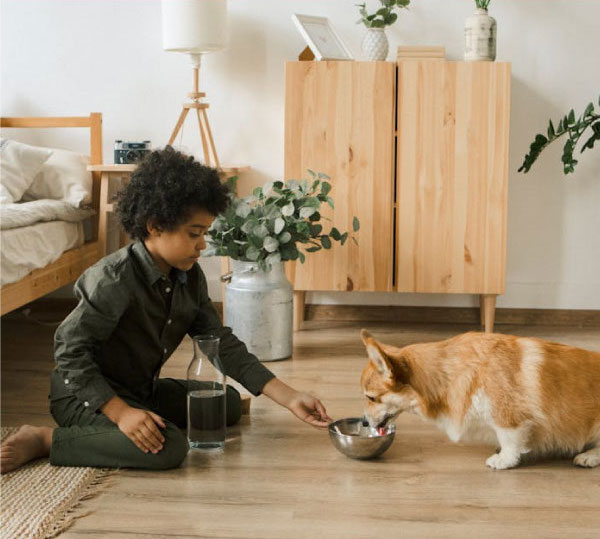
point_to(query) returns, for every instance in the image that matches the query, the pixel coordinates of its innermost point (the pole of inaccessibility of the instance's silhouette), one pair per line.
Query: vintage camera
(130, 152)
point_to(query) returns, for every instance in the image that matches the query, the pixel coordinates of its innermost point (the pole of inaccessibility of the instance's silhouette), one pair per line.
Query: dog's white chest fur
(476, 425)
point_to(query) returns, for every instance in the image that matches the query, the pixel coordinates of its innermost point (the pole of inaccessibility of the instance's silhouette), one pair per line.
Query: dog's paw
(502, 461)
(589, 459)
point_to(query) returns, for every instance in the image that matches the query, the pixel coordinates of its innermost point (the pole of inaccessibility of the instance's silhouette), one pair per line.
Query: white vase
(480, 36)
(375, 45)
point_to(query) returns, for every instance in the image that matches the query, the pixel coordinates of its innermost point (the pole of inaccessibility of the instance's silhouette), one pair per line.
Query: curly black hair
(165, 188)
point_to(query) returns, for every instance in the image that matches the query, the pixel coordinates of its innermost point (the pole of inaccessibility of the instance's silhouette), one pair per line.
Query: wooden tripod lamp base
(208, 145)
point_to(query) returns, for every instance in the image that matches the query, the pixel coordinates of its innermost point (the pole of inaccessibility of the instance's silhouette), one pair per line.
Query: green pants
(88, 438)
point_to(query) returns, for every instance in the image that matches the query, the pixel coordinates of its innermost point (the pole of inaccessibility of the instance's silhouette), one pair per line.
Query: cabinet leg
(299, 303)
(487, 308)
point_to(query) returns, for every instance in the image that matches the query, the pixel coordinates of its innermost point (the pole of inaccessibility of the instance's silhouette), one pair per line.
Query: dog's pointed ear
(365, 336)
(377, 356)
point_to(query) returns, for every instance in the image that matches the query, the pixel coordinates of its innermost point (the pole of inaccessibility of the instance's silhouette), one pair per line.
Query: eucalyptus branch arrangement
(272, 224)
(482, 4)
(384, 16)
(574, 128)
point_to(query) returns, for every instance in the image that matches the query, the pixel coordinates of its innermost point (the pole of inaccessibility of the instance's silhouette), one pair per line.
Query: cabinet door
(339, 119)
(452, 170)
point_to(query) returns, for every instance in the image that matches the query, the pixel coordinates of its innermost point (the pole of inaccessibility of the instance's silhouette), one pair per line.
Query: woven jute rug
(39, 500)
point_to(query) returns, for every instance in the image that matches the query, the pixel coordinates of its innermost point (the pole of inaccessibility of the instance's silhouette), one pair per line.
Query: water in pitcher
(206, 418)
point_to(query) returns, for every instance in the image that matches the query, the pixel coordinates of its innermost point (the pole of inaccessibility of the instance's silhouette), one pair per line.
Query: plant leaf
(306, 212)
(279, 224)
(284, 237)
(248, 227)
(355, 224)
(252, 253)
(270, 244)
(243, 210)
(261, 231)
(325, 188)
(288, 209)
(315, 230)
(335, 234)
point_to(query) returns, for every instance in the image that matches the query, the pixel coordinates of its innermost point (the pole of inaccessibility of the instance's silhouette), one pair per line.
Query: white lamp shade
(194, 26)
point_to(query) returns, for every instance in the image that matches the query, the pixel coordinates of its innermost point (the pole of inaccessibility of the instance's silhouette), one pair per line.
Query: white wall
(70, 57)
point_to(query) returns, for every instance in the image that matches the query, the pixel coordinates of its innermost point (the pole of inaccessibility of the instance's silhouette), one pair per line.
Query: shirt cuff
(94, 395)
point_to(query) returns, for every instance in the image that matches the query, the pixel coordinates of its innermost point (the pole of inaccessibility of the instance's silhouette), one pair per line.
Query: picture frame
(321, 38)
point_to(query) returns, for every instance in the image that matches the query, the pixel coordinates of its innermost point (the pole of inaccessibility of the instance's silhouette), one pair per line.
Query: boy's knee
(174, 451)
(233, 406)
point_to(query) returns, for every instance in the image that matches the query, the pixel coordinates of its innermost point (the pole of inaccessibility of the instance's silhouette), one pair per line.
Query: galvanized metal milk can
(259, 309)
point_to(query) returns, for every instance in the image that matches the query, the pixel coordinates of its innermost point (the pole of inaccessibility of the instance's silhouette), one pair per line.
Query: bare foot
(26, 444)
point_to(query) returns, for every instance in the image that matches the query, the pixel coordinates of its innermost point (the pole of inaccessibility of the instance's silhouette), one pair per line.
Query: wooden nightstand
(107, 174)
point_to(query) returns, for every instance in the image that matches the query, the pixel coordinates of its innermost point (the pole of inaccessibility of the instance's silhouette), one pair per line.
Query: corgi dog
(526, 395)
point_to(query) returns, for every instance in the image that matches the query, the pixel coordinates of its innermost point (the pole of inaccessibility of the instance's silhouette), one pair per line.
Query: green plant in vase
(279, 221)
(375, 44)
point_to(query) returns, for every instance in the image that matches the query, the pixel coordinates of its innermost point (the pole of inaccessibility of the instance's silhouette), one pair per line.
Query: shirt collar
(151, 271)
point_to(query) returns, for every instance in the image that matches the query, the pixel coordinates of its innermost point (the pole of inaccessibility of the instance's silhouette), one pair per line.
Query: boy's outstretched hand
(302, 405)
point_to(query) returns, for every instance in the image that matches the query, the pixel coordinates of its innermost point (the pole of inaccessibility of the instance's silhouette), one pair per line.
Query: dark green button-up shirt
(129, 320)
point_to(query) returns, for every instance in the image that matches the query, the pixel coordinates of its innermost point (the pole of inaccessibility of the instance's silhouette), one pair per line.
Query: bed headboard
(93, 122)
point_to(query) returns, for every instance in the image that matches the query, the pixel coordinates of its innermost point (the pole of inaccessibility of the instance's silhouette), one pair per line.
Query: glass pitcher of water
(206, 395)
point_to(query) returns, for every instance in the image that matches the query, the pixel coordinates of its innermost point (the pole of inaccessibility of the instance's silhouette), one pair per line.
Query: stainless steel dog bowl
(357, 441)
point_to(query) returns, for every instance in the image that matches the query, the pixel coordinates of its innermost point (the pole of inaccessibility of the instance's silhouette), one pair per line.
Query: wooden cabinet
(339, 121)
(418, 151)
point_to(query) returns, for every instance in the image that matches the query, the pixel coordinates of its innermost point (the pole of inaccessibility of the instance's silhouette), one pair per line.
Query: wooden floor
(280, 478)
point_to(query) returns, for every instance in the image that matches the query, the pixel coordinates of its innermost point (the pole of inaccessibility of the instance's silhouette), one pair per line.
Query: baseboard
(400, 313)
(452, 315)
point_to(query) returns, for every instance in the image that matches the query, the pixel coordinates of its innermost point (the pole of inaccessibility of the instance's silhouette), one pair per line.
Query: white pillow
(63, 177)
(19, 164)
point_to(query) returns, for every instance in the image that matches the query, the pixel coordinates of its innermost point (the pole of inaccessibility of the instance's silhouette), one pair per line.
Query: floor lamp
(195, 27)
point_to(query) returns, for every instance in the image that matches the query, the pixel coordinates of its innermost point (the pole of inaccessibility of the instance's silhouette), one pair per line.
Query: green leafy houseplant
(482, 4)
(574, 128)
(274, 222)
(384, 16)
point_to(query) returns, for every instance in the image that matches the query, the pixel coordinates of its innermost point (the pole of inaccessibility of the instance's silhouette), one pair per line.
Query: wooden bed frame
(73, 262)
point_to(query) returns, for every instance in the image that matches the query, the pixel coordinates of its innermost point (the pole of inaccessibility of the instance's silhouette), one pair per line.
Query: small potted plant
(480, 34)
(277, 222)
(375, 44)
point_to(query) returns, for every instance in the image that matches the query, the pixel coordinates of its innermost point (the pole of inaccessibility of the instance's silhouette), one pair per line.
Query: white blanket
(28, 213)
(27, 248)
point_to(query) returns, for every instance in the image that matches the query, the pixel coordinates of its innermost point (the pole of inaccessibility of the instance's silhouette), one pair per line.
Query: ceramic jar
(480, 36)
(375, 45)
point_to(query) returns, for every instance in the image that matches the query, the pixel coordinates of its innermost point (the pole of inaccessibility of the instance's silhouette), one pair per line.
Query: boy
(135, 306)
